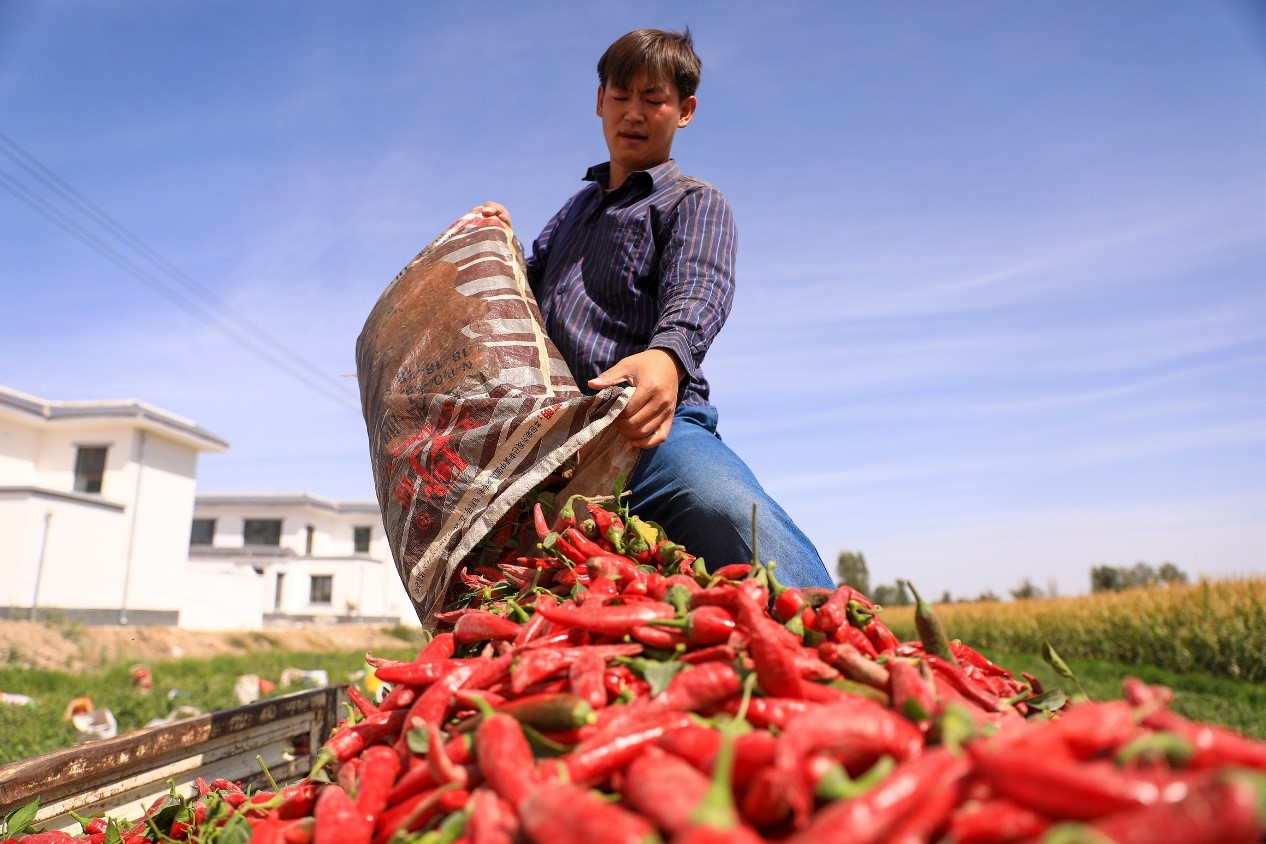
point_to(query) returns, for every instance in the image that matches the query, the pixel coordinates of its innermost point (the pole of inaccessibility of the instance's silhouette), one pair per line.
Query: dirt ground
(69, 647)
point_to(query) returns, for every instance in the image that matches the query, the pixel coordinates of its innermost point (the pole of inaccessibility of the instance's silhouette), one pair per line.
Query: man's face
(639, 122)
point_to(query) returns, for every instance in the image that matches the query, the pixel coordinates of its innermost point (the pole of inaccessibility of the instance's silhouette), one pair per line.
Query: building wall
(116, 556)
(19, 445)
(83, 552)
(203, 606)
(364, 586)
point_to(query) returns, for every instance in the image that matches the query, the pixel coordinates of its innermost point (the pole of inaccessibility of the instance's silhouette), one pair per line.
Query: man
(634, 277)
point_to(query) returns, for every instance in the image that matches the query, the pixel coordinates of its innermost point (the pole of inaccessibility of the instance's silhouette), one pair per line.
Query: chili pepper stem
(272, 783)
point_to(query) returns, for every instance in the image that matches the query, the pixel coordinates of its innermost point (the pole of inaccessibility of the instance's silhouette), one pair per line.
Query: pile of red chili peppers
(607, 688)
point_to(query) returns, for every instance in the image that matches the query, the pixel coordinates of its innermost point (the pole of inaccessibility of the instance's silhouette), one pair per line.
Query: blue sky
(1002, 267)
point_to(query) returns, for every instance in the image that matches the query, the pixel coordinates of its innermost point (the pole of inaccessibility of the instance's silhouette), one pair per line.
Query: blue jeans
(701, 493)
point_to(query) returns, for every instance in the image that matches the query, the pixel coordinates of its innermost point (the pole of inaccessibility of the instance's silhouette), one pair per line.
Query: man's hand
(494, 209)
(655, 375)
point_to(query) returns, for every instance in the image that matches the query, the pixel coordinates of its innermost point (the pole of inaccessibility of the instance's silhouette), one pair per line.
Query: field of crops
(1218, 627)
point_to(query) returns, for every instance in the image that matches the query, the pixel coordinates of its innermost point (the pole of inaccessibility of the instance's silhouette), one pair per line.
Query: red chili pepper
(363, 704)
(537, 623)
(585, 678)
(352, 739)
(850, 635)
(884, 640)
(459, 750)
(732, 571)
(695, 743)
(417, 673)
(505, 757)
(764, 803)
(716, 653)
(698, 689)
(593, 761)
(584, 545)
(1065, 788)
(492, 819)
(995, 821)
(566, 813)
(338, 821)
(869, 818)
(610, 619)
(614, 566)
(1217, 811)
(418, 811)
(715, 819)
(851, 663)
(297, 800)
(538, 521)
(753, 752)
(710, 625)
(432, 705)
(380, 765)
(775, 661)
(913, 694)
(483, 626)
(856, 731)
(1212, 746)
(788, 604)
(931, 813)
(664, 787)
(662, 638)
(602, 590)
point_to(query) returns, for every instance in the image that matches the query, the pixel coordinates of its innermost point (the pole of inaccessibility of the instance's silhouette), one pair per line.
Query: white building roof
(283, 499)
(145, 416)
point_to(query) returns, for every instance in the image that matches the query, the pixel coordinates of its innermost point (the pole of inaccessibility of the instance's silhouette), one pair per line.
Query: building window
(322, 589)
(307, 542)
(360, 540)
(90, 463)
(281, 579)
(261, 532)
(203, 532)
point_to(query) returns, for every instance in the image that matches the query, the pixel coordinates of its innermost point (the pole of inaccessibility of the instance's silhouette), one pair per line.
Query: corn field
(1218, 627)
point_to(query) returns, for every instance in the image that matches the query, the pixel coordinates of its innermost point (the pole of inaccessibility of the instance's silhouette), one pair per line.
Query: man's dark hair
(662, 54)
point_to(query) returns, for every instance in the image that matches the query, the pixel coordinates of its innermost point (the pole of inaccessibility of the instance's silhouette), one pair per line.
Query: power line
(216, 313)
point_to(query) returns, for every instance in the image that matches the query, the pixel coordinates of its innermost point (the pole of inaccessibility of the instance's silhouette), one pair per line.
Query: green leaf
(17, 821)
(418, 740)
(1048, 701)
(658, 674)
(1054, 660)
(1061, 668)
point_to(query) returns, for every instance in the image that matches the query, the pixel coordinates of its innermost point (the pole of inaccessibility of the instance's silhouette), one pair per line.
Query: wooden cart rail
(122, 776)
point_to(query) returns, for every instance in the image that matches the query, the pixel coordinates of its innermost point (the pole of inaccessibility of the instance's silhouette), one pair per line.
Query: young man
(634, 277)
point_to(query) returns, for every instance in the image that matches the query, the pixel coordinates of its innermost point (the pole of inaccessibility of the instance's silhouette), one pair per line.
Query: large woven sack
(470, 407)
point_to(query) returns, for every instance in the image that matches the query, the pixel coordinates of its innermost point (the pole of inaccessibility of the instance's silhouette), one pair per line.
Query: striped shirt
(649, 265)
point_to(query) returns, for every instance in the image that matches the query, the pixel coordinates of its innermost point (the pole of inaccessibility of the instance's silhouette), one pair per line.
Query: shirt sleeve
(696, 288)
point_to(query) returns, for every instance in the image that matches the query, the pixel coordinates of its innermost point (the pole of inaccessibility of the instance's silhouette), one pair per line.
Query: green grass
(203, 683)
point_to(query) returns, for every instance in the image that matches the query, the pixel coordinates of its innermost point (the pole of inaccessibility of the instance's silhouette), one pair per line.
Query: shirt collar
(658, 175)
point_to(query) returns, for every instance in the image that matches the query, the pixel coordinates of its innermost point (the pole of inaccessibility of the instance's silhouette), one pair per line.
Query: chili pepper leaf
(1061, 668)
(20, 819)
(1048, 701)
(236, 830)
(1054, 660)
(658, 674)
(418, 740)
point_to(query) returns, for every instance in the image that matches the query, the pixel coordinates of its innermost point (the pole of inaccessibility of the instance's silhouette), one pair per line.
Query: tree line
(851, 569)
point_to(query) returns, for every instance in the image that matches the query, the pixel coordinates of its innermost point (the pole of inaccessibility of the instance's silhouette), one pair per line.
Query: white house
(100, 523)
(96, 499)
(316, 560)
